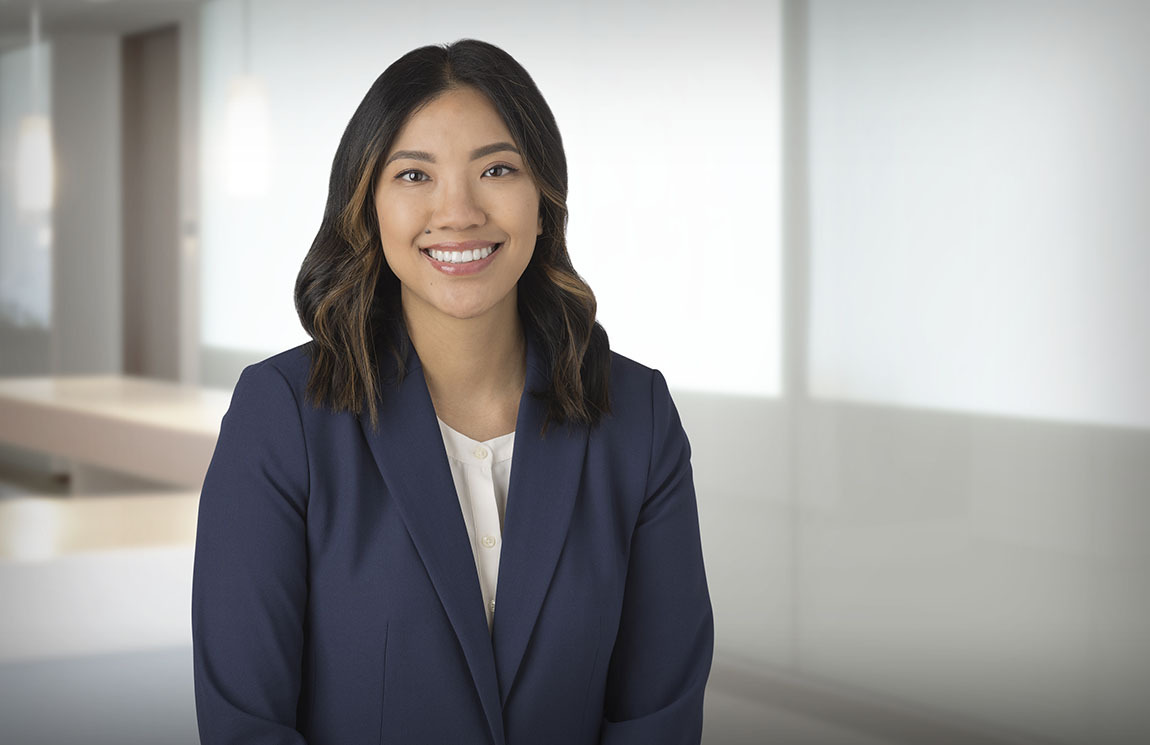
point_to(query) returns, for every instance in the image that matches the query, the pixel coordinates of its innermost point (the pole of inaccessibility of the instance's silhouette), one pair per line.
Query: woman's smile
(461, 259)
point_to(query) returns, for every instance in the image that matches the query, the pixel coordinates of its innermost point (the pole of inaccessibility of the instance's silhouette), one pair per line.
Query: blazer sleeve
(662, 655)
(249, 583)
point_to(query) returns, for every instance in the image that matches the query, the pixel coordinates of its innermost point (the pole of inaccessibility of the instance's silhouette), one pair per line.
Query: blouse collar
(466, 450)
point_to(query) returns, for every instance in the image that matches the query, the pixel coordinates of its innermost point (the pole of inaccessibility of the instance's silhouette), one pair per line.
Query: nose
(457, 208)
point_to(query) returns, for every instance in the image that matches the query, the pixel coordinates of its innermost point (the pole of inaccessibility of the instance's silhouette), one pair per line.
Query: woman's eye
(404, 176)
(508, 169)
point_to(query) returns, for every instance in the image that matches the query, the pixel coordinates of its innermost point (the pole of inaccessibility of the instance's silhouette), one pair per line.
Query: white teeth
(461, 257)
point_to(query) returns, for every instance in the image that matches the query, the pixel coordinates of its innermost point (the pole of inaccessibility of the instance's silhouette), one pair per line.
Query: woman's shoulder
(294, 364)
(269, 374)
(627, 371)
(635, 385)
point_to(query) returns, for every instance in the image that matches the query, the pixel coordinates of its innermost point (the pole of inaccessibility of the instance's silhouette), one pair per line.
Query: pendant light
(247, 127)
(35, 177)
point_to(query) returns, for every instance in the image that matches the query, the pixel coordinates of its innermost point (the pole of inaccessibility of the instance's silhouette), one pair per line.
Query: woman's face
(454, 170)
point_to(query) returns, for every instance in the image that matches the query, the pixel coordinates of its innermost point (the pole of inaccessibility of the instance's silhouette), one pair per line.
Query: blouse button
(488, 541)
(480, 452)
(492, 605)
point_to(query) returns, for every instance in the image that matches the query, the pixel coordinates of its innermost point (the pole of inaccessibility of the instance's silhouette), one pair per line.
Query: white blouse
(482, 472)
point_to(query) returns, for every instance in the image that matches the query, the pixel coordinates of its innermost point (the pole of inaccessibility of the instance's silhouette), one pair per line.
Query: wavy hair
(347, 297)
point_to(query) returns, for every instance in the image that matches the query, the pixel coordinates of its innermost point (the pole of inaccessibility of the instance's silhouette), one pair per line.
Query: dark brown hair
(347, 297)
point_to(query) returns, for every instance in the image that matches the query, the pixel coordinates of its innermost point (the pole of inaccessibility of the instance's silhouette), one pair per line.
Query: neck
(481, 360)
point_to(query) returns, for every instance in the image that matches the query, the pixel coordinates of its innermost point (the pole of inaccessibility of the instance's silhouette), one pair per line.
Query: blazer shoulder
(629, 376)
(635, 388)
(293, 364)
(285, 372)
(624, 369)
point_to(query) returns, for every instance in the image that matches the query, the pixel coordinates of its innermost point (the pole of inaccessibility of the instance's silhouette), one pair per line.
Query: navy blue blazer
(335, 597)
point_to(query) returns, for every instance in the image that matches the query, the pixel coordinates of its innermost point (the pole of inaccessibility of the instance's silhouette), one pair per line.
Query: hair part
(347, 297)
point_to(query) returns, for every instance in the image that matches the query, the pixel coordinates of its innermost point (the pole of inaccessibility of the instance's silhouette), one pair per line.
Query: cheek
(397, 213)
(389, 260)
(385, 214)
(529, 214)
(397, 237)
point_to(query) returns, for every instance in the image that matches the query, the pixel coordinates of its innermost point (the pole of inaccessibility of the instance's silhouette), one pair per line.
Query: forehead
(460, 117)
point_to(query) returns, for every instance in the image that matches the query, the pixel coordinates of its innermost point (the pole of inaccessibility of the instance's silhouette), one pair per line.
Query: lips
(462, 263)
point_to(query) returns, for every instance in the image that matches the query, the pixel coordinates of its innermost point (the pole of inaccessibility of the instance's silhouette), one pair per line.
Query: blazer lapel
(408, 449)
(545, 475)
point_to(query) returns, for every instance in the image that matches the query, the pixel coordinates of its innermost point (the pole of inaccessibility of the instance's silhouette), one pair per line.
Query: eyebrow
(476, 154)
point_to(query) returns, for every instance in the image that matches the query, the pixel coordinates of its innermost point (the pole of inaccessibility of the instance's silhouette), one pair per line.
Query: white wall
(979, 222)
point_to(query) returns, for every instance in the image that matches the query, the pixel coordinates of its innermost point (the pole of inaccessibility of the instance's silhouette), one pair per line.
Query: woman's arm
(662, 655)
(249, 585)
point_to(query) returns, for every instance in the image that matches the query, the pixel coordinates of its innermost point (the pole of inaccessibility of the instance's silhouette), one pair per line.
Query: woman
(457, 395)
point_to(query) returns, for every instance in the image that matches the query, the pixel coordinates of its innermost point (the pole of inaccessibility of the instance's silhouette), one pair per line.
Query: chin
(466, 307)
(464, 311)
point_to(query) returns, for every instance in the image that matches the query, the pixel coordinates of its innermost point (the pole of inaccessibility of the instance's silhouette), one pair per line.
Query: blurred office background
(893, 257)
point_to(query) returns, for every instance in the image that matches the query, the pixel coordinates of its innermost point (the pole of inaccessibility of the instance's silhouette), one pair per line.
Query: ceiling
(78, 16)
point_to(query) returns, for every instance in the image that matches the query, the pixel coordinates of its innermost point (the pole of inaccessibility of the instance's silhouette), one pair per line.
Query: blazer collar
(545, 474)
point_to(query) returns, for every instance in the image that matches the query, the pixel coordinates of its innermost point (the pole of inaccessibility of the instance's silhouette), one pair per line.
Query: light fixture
(247, 128)
(35, 177)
